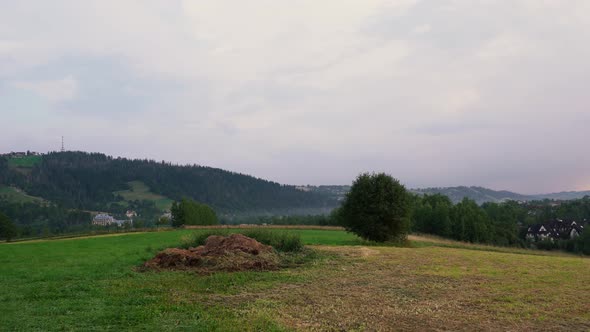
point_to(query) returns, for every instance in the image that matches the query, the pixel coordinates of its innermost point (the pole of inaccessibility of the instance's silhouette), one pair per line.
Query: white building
(104, 219)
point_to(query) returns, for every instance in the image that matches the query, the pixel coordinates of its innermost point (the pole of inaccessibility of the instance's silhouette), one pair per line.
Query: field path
(72, 238)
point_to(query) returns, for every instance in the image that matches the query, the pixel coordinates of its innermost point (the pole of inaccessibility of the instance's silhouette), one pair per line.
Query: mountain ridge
(81, 179)
(456, 193)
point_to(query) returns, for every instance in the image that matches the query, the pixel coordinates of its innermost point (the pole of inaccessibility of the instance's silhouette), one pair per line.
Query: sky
(434, 92)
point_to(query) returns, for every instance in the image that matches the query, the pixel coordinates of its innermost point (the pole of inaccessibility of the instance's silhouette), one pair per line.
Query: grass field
(17, 196)
(91, 284)
(25, 162)
(140, 191)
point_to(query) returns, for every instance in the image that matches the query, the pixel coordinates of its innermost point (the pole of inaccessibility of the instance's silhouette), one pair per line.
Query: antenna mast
(62, 144)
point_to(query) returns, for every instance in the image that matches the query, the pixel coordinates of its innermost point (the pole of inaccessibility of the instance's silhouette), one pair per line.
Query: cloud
(55, 91)
(437, 93)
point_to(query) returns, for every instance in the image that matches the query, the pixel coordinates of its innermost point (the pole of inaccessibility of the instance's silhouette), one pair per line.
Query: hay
(232, 253)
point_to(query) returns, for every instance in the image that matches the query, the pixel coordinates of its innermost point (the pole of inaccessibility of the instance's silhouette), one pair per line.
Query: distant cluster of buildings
(104, 219)
(555, 230)
(20, 154)
(336, 191)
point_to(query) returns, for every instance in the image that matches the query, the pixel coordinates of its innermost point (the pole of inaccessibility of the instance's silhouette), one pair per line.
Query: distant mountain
(456, 194)
(478, 194)
(97, 182)
(563, 196)
(482, 195)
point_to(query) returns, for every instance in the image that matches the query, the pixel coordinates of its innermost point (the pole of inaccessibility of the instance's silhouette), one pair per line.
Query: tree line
(33, 219)
(379, 208)
(312, 220)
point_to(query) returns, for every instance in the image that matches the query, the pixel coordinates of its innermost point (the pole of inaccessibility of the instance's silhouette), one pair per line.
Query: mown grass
(424, 240)
(140, 191)
(93, 284)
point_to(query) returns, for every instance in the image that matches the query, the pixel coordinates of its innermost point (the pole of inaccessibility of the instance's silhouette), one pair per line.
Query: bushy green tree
(7, 228)
(470, 223)
(432, 215)
(504, 219)
(163, 221)
(377, 208)
(582, 243)
(189, 212)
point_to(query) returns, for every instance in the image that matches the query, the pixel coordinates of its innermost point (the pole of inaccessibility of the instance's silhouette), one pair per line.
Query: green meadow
(139, 191)
(25, 162)
(14, 195)
(92, 283)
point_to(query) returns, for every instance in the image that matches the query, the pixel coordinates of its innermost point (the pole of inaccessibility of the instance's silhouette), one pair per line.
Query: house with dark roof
(555, 230)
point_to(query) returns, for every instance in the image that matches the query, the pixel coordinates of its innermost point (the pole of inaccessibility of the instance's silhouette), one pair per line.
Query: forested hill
(90, 181)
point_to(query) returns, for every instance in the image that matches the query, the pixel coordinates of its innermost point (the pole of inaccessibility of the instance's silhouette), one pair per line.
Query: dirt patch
(220, 253)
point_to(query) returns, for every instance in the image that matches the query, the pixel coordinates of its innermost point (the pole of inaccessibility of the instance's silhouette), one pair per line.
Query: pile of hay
(220, 253)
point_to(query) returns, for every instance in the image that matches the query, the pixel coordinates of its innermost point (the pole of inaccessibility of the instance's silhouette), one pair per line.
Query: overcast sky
(436, 93)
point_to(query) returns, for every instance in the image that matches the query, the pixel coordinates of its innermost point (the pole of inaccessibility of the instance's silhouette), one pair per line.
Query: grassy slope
(25, 162)
(90, 284)
(17, 196)
(140, 191)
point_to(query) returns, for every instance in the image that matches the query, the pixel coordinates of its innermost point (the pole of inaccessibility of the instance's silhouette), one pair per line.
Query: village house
(19, 155)
(104, 219)
(131, 214)
(555, 230)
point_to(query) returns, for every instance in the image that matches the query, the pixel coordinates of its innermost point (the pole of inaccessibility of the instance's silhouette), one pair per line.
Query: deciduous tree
(376, 208)
(7, 228)
(189, 212)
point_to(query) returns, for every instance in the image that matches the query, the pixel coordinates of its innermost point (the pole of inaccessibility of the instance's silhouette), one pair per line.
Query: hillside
(139, 191)
(14, 195)
(564, 195)
(97, 182)
(478, 194)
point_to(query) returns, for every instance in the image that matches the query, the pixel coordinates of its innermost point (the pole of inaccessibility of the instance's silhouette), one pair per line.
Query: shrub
(582, 243)
(7, 228)
(546, 245)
